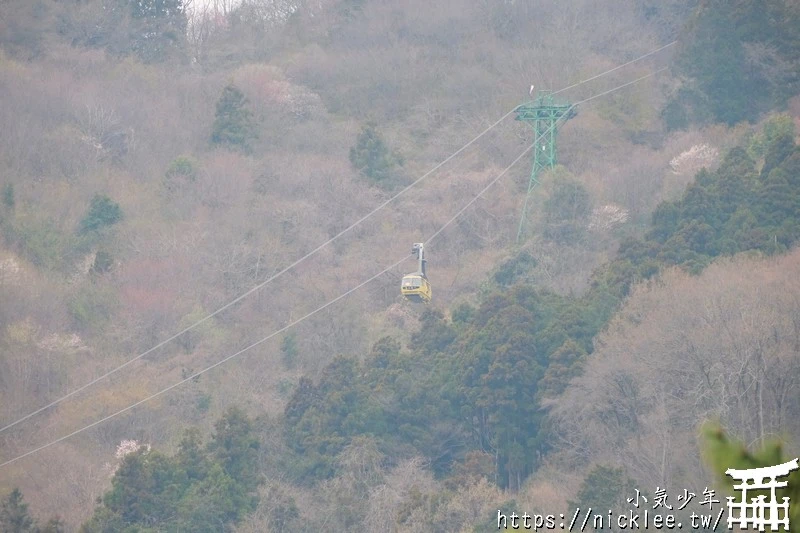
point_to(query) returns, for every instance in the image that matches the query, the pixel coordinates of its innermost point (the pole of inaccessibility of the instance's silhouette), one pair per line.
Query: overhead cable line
(306, 256)
(309, 254)
(520, 156)
(648, 54)
(256, 287)
(322, 307)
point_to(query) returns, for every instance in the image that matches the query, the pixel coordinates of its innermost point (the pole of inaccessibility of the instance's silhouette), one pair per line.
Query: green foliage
(43, 243)
(235, 446)
(470, 387)
(9, 199)
(289, 350)
(721, 453)
(153, 30)
(604, 488)
(497, 367)
(162, 28)
(91, 306)
(734, 209)
(182, 169)
(14, 516)
(676, 113)
(201, 488)
(435, 335)
(372, 158)
(233, 123)
(208, 331)
(204, 402)
(564, 364)
(477, 384)
(514, 269)
(321, 419)
(566, 211)
(384, 352)
(777, 126)
(103, 212)
(103, 262)
(741, 57)
(142, 9)
(462, 314)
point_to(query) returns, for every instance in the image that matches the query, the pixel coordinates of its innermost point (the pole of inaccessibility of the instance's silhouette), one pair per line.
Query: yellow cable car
(415, 286)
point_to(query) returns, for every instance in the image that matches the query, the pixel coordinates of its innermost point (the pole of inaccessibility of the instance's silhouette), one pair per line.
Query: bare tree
(684, 350)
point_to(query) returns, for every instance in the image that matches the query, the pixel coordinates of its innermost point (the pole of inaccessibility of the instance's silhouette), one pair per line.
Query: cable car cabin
(415, 287)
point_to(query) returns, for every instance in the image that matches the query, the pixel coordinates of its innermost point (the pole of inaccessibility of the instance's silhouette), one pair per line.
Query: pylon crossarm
(542, 114)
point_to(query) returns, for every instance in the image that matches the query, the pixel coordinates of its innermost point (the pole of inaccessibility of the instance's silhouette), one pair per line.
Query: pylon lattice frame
(542, 114)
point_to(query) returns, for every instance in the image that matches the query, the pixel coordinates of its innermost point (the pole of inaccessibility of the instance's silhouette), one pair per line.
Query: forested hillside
(183, 179)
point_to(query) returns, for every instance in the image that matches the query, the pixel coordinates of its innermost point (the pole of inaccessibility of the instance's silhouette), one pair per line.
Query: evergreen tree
(477, 383)
(14, 516)
(741, 59)
(233, 122)
(776, 199)
(9, 199)
(157, 28)
(192, 457)
(235, 447)
(371, 157)
(289, 349)
(564, 364)
(777, 151)
(384, 352)
(103, 212)
(604, 488)
(200, 488)
(435, 334)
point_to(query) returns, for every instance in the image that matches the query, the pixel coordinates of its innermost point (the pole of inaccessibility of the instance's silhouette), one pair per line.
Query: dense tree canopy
(164, 158)
(733, 209)
(200, 488)
(477, 383)
(233, 122)
(741, 59)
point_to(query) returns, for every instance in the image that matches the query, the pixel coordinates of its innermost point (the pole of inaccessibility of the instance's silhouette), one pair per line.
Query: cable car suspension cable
(317, 310)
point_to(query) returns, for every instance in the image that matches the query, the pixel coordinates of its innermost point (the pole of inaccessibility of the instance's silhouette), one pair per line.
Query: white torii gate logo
(759, 513)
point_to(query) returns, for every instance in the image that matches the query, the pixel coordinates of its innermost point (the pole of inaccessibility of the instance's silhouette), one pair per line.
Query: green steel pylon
(542, 114)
